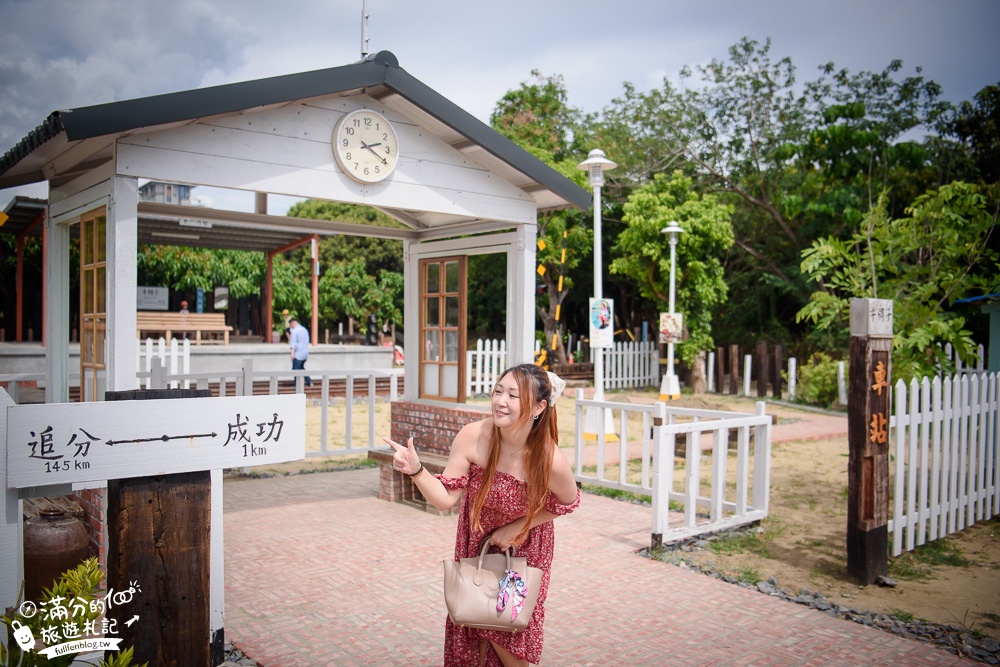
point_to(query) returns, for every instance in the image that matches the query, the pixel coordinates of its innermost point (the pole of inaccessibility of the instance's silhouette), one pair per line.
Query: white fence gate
(631, 364)
(640, 458)
(176, 357)
(947, 462)
(484, 365)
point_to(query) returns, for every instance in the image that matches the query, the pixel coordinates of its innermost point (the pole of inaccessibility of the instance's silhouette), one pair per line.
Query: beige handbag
(491, 592)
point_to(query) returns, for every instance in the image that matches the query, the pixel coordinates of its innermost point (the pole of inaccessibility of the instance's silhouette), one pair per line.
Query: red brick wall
(92, 502)
(432, 427)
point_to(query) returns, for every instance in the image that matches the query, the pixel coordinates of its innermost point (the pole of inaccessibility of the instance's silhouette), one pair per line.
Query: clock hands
(371, 147)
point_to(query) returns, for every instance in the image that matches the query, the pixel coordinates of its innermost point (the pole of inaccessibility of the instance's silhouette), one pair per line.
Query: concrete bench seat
(203, 327)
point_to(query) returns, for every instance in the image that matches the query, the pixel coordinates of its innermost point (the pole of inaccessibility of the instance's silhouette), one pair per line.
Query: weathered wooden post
(734, 370)
(159, 535)
(720, 370)
(779, 361)
(763, 370)
(868, 439)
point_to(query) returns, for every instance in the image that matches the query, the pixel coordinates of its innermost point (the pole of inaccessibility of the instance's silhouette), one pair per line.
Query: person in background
(184, 307)
(298, 342)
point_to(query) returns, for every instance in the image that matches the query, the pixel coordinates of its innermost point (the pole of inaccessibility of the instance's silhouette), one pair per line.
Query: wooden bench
(203, 327)
(396, 487)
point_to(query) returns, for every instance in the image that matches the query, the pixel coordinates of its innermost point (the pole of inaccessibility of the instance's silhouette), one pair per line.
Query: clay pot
(54, 542)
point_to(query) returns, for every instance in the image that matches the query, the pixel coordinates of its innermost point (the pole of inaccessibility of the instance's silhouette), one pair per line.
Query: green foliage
(81, 583)
(816, 381)
(917, 565)
(644, 253)
(187, 269)
(937, 253)
(537, 117)
(347, 290)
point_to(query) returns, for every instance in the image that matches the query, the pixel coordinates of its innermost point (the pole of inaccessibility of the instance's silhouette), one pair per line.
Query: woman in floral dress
(513, 481)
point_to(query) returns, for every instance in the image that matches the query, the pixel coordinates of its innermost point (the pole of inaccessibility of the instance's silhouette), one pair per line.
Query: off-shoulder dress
(506, 502)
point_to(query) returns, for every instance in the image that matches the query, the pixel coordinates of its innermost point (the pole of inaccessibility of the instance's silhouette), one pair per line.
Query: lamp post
(670, 387)
(595, 165)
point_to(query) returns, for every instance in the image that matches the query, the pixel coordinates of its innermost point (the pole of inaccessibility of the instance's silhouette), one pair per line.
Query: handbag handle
(478, 576)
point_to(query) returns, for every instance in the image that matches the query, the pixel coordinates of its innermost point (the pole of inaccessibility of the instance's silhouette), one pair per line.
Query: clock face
(365, 146)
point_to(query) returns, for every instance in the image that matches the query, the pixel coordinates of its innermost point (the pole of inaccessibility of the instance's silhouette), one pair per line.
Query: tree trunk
(699, 382)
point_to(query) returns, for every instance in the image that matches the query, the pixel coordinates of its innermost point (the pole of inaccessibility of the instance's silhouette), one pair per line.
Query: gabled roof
(379, 76)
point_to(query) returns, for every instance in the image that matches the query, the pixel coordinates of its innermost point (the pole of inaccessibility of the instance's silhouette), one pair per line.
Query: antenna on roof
(364, 29)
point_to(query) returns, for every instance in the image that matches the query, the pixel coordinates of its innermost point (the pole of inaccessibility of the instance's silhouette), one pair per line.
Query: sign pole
(868, 438)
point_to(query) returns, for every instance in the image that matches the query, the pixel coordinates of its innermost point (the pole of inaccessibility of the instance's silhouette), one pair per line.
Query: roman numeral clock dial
(365, 146)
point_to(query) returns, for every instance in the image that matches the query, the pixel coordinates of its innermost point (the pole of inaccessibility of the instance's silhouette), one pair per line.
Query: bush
(816, 383)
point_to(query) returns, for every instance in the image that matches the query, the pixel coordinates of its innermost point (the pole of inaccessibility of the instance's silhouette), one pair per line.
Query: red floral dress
(506, 502)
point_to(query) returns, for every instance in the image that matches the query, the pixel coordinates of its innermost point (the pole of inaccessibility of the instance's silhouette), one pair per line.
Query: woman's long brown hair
(533, 386)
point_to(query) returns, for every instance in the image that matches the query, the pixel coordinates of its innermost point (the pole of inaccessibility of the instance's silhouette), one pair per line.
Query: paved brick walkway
(319, 571)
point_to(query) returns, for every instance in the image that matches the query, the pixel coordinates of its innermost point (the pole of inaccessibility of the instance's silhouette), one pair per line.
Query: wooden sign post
(164, 518)
(868, 440)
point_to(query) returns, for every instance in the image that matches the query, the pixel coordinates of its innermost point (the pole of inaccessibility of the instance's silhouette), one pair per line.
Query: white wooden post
(521, 295)
(841, 383)
(121, 247)
(663, 470)
(791, 378)
(762, 462)
(711, 372)
(747, 370)
(56, 310)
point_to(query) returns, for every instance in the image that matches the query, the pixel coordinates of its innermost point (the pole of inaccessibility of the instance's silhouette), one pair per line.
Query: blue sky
(58, 54)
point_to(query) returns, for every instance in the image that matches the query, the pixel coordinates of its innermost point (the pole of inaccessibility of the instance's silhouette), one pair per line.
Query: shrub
(816, 383)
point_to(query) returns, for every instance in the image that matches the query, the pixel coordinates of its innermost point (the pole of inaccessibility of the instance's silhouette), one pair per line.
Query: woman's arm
(463, 452)
(562, 484)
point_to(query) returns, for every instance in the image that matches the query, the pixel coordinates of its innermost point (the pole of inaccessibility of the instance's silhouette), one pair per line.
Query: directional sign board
(61, 443)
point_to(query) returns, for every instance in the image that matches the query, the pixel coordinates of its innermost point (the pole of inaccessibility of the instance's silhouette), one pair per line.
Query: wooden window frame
(93, 317)
(462, 325)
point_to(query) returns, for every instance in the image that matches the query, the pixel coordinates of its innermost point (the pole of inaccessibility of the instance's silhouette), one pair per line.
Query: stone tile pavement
(319, 571)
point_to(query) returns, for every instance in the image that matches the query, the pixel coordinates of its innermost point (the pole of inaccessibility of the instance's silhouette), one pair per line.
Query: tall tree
(644, 253)
(537, 117)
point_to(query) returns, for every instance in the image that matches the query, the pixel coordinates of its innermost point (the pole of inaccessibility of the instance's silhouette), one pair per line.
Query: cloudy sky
(58, 54)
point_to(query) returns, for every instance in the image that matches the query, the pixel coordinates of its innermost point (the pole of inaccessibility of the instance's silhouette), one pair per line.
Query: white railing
(947, 462)
(641, 454)
(484, 365)
(242, 383)
(631, 364)
(176, 356)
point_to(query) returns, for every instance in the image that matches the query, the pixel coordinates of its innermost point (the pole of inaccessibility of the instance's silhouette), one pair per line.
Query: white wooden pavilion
(459, 187)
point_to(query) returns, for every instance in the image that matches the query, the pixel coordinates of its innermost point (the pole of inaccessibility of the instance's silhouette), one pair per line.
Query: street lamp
(595, 165)
(670, 387)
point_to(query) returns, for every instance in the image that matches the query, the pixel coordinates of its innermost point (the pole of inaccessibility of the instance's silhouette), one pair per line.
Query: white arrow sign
(60, 443)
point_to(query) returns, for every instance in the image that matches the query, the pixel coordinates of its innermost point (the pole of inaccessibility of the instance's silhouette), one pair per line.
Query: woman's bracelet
(419, 470)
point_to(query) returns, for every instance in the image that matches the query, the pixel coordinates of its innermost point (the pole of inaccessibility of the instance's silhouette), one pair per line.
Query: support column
(868, 440)
(521, 296)
(56, 296)
(120, 279)
(411, 315)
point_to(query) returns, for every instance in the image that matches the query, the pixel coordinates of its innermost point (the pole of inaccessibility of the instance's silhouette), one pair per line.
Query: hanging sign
(671, 327)
(602, 317)
(60, 443)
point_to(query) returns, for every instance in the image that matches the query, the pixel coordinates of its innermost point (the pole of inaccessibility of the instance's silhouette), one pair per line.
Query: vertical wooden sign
(868, 439)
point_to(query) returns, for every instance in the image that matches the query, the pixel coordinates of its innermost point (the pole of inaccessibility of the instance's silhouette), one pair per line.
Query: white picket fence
(947, 461)
(638, 452)
(484, 365)
(631, 364)
(625, 365)
(176, 357)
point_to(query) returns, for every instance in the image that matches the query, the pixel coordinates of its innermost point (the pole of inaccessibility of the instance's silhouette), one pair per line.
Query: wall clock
(365, 146)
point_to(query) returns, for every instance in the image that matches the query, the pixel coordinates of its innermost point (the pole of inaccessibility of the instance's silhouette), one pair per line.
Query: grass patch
(617, 494)
(900, 615)
(754, 542)
(917, 565)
